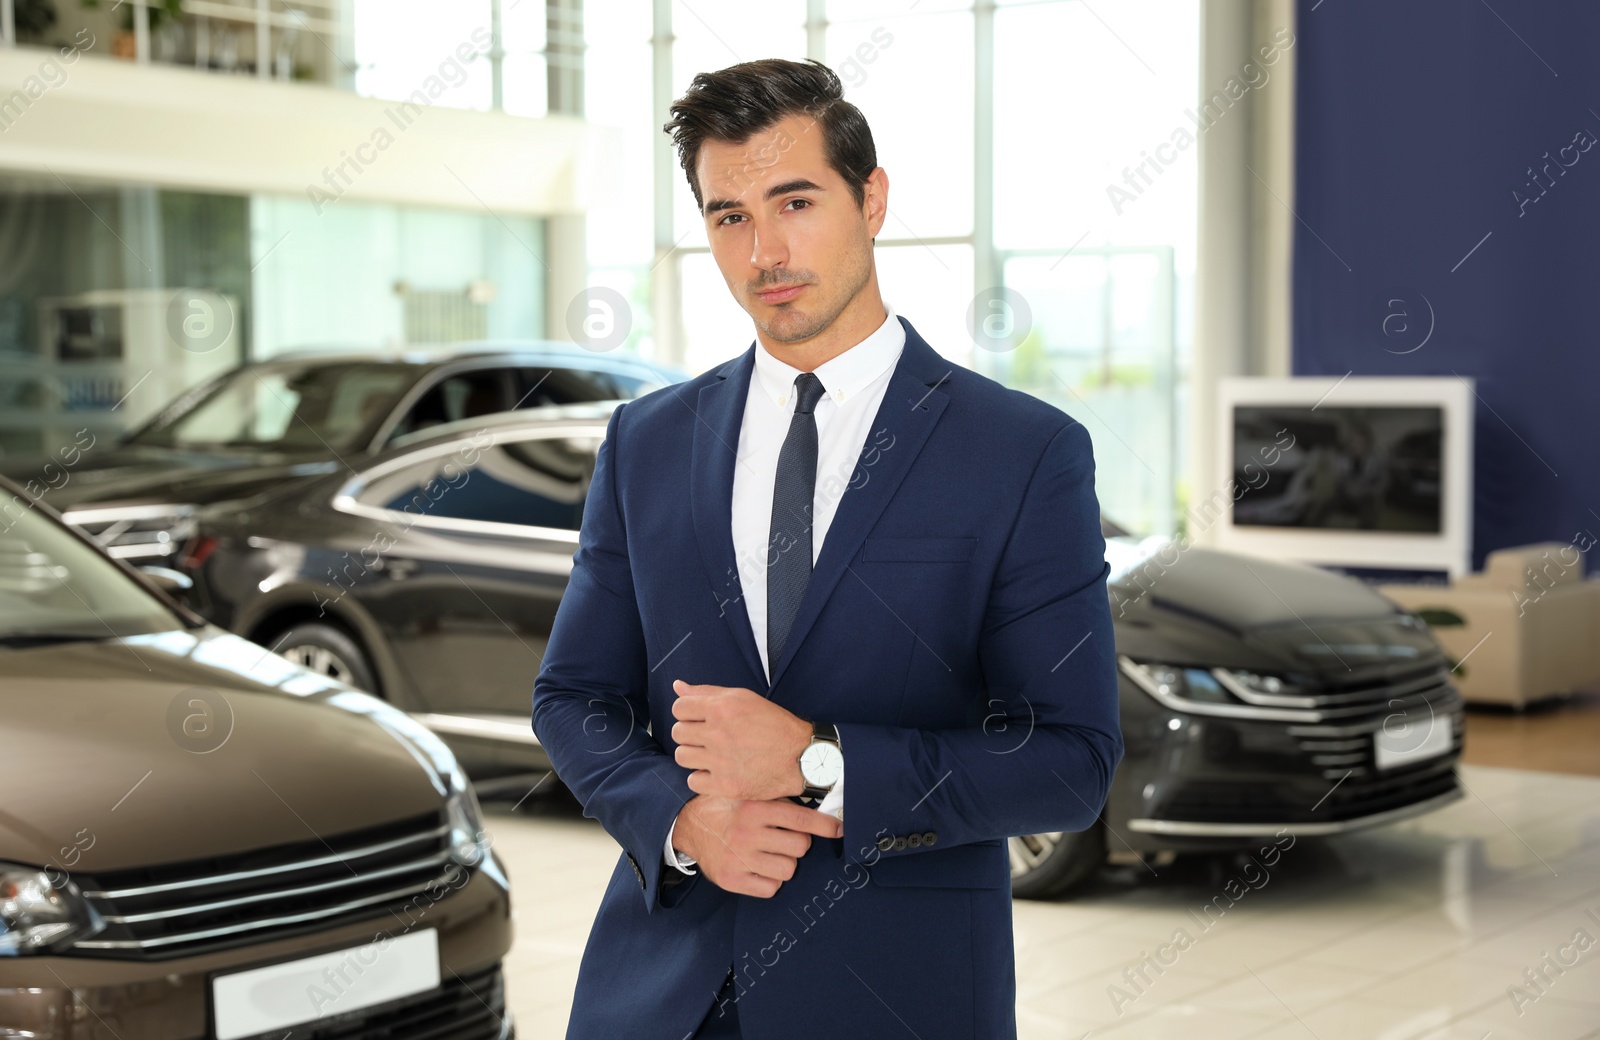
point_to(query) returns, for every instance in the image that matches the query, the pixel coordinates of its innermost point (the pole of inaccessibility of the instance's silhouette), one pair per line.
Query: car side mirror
(169, 580)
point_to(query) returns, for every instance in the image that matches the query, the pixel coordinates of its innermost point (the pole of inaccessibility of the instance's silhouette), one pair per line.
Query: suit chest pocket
(943, 549)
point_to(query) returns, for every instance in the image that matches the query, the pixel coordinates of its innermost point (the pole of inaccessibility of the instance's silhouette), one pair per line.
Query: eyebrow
(798, 184)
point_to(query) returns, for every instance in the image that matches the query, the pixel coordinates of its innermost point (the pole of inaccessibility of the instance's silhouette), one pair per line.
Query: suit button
(929, 837)
(885, 843)
(913, 840)
(899, 842)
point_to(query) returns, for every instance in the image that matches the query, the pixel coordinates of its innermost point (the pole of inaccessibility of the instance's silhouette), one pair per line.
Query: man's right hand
(749, 847)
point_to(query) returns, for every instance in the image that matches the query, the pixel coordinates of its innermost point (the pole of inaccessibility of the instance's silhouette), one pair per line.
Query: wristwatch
(821, 762)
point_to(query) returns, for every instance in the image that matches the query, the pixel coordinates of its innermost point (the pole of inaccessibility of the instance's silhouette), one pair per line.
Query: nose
(768, 250)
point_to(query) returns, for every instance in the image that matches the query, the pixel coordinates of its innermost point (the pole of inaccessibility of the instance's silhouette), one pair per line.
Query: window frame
(346, 498)
(413, 398)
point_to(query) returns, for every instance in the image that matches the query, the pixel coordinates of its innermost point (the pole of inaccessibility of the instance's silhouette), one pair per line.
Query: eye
(801, 202)
(723, 221)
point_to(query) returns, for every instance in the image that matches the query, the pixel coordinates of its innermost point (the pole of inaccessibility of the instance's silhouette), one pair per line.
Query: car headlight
(469, 843)
(38, 915)
(1232, 693)
(1167, 682)
(136, 532)
(1268, 691)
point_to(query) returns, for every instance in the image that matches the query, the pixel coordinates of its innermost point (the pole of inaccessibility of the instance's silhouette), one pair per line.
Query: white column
(665, 290)
(566, 236)
(985, 264)
(1246, 178)
(263, 39)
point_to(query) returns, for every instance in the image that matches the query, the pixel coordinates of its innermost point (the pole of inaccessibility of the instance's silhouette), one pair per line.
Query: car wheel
(328, 651)
(1045, 866)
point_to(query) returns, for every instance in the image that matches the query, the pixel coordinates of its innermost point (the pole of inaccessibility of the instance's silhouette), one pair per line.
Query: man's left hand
(740, 744)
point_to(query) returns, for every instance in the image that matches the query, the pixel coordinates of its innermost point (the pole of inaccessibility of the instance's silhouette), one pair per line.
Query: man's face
(785, 229)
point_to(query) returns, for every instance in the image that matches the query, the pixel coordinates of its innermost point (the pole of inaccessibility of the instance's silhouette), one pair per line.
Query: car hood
(183, 745)
(1186, 604)
(143, 474)
(1233, 590)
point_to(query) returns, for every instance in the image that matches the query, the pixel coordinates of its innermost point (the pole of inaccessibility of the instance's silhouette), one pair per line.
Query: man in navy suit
(837, 552)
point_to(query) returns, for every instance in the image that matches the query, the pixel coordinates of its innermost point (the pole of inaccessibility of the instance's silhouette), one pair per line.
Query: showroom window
(400, 44)
(365, 273)
(91, 275)
(1030, 148)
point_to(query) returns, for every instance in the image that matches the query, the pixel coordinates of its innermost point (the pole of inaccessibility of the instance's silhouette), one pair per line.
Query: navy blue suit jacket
(955, 628)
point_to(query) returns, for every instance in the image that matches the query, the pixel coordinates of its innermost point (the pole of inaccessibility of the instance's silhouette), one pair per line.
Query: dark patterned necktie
(790, 537)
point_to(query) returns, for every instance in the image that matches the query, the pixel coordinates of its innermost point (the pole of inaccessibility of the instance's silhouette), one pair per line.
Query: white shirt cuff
(833, 802)
(675, 858)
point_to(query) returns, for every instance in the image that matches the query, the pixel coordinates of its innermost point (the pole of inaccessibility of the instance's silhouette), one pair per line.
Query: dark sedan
(1259, 698)
(429, 574)
(298, 416)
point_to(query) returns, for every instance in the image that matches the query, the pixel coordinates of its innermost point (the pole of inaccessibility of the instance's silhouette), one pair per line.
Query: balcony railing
(360, 46)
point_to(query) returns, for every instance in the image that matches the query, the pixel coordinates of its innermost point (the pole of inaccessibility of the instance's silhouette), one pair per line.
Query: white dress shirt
(853, 385)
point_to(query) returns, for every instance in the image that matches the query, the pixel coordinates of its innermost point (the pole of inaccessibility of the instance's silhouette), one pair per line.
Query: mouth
(780, 295)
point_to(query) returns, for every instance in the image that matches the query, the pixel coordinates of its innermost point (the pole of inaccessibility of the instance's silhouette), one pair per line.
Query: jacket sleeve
(1044, 756)
(590, 701)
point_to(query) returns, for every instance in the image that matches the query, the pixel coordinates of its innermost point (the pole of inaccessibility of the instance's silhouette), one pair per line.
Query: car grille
(137, 533)
(1375, 689)
(1342, 749)
(1340, 754)
(186, 908)
(1355, 711)
(469, 1007)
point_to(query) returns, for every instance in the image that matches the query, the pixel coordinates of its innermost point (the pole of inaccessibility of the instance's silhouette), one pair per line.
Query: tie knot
(808, 391)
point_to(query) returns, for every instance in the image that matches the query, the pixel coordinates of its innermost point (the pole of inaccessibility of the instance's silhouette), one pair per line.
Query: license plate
(1413, 744)
(328, 984)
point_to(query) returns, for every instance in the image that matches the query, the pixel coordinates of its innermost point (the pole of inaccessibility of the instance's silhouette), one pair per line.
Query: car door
(483, 531)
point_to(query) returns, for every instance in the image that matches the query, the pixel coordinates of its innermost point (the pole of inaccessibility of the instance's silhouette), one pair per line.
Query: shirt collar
(843, 376)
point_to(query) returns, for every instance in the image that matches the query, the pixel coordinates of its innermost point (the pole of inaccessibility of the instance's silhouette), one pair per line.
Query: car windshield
(288, 406)
(55, 587)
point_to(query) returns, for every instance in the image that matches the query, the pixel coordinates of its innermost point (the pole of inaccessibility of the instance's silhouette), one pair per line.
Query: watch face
(820, 764)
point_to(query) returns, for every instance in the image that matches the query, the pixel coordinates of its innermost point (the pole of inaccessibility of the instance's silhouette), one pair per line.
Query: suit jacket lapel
(719, 412)
(911, 406)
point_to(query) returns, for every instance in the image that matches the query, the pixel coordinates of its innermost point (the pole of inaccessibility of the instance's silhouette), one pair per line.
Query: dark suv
(297, 416)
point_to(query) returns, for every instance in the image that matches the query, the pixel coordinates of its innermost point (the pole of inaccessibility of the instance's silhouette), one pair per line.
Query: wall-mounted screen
(1376, 468)
(1352, 472)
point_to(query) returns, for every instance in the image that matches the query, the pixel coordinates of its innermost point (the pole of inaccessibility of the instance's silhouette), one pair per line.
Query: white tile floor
(1418, 930)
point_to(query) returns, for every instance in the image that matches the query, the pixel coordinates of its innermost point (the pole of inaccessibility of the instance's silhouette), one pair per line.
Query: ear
(875, 201)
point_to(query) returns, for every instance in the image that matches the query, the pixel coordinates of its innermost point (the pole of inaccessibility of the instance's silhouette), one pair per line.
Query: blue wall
(1417, 123)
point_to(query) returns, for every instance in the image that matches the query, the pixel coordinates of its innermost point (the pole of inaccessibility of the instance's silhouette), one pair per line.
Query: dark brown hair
(738, 102)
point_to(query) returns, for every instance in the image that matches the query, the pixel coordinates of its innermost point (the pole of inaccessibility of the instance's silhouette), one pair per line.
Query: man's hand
(749, 847)
(740, 744)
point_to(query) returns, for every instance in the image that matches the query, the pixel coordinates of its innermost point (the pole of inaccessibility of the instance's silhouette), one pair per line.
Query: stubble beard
(792, 326)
